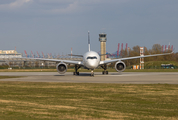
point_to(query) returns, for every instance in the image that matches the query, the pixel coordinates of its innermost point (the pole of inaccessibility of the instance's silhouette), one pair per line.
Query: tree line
(156, 49)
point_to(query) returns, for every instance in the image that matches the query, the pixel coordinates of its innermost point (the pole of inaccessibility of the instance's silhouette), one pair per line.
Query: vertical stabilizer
(89, 40)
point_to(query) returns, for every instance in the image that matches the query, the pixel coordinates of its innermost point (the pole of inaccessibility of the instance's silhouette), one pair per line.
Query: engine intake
(120, 66)
(61, 68)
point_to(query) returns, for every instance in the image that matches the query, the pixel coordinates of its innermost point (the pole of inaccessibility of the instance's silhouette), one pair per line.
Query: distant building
(9, 54)
(8, 51)
(167, 66)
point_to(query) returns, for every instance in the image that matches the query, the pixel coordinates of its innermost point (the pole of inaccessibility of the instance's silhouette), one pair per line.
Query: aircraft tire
(104, 72)
(92, 74)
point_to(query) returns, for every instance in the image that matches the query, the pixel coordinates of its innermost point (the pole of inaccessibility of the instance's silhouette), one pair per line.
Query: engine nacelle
(61, 68)
(120, 66)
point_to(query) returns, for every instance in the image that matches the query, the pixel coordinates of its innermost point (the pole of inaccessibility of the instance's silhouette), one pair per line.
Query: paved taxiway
(113, 77)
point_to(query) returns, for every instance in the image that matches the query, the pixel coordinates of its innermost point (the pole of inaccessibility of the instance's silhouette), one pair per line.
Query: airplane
(91, 60)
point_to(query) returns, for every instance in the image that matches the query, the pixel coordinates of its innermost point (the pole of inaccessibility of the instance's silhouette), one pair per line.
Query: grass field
(4, 77)
(28, 101)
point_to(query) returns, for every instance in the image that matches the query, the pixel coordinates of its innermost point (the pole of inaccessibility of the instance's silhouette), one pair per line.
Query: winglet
(89, 40)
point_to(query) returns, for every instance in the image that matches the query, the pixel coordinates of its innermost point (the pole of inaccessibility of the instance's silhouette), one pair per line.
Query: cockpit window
(92, 57)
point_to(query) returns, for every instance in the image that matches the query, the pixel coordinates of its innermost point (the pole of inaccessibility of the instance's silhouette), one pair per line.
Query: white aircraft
(91, 60)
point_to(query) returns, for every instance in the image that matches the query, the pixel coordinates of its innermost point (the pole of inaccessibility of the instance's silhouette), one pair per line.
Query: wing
(55, 60)
(128, 58)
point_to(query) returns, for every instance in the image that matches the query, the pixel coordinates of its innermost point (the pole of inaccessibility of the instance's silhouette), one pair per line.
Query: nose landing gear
(92, 73)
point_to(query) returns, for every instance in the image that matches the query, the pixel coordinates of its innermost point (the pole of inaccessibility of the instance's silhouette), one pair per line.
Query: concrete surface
(113, 77)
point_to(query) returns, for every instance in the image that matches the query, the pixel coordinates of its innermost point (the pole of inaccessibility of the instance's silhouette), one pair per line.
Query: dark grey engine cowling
(120, 66)
(61, 68)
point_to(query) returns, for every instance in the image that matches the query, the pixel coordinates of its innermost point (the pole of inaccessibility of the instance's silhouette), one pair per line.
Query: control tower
(102, 39)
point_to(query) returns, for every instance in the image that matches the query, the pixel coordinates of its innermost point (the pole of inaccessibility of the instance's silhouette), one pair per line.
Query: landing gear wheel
(92, 74)
(75, 73)
(76, 68)
(105, 72)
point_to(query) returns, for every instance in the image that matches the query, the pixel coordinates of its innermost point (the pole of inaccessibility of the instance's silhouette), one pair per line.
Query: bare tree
(156, 48)
(136, 49)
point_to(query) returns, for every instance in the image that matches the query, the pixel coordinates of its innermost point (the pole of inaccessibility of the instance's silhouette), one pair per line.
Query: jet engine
(120, 66)
(61, 68)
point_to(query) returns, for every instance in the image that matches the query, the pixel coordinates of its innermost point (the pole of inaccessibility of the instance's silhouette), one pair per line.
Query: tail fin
(89, 40)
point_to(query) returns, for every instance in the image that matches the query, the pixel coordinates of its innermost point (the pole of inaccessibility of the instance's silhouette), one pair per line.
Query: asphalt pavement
(84, 77)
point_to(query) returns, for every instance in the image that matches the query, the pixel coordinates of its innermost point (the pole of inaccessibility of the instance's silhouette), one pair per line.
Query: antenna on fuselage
(89, 40)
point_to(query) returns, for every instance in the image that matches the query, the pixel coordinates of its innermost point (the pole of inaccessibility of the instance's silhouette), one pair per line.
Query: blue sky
(54, 26)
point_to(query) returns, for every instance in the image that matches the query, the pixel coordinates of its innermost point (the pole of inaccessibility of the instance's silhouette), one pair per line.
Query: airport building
(9, 54)
(14, 59)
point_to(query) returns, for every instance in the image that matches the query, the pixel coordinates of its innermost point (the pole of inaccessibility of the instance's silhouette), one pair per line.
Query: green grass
(4, 77)
(28, 101)
(158, 63)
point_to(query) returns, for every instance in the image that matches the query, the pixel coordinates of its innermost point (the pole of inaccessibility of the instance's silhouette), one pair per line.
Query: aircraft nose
(93, 64)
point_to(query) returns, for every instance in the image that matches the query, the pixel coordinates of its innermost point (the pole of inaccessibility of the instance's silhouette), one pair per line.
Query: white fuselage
(91, 60)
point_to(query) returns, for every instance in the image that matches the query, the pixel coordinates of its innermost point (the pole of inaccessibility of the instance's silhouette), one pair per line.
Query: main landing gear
(104, 72)
(76, 69)
(75, 73)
